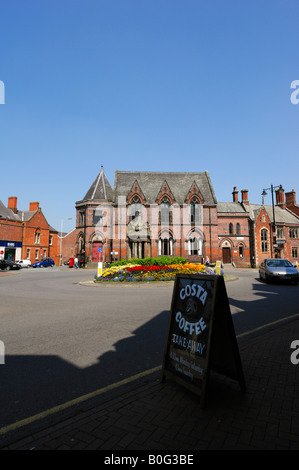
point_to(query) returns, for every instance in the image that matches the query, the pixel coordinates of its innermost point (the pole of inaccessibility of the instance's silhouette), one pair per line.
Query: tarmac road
(64, 340)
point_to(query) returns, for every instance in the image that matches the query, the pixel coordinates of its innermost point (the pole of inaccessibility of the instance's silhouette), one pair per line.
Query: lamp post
(264, 193)
(61, 224)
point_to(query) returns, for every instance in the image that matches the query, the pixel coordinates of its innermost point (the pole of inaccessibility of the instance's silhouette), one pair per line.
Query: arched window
(165, 247)
(238, 229)
(135, 207)
(194, 211)
(231, 229)
(165, 214)
(37, 238)
(195, 244)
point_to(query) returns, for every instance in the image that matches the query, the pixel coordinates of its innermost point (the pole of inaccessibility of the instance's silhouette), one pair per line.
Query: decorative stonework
(165, 194)
(135, 193)
(194, 195)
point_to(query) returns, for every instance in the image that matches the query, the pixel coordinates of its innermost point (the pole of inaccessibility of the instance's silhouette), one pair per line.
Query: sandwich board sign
(201, 334)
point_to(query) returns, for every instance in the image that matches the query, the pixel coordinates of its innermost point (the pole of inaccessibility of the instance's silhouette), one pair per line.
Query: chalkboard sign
(201, 334)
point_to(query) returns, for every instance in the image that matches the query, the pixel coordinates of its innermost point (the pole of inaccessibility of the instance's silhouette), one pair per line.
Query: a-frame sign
(201, 335)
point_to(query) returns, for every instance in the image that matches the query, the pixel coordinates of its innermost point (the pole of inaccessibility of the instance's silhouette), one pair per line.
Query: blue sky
(146, 85)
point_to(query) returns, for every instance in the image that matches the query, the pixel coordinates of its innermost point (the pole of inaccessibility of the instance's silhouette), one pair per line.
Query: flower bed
(138, 273)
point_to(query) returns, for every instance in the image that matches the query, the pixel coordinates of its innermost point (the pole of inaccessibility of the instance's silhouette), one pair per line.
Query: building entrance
(226, 255)
(97, 252)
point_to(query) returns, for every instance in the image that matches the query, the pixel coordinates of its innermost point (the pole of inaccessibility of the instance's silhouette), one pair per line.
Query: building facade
(149, 214)
(26, 234)
(177, 214)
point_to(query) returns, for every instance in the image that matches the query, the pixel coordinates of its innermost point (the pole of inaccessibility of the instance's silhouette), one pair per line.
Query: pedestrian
(76, 263)
(207, 261)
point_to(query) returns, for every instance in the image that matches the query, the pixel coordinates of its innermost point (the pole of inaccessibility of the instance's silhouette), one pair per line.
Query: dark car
(273, 269)
(6, 265)
(44, 263)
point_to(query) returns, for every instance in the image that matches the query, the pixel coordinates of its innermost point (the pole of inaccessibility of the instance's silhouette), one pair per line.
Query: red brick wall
(10, 230)
(68, 246)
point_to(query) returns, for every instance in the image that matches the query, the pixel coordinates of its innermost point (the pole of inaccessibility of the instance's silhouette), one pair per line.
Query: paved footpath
(153, 416)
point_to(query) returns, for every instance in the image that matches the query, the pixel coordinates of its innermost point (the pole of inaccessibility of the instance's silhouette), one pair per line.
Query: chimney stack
(291, 198)
(235, 194)
(12, 204)
(33, 206)
(245, 196)
(280, 197)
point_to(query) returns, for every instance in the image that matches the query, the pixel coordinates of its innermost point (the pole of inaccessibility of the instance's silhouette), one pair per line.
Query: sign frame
(215, 315)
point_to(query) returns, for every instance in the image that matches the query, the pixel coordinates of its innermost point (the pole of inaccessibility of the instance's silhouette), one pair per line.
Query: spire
(100, 188)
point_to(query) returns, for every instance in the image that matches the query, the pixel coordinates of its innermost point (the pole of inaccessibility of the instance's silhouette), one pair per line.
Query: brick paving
(150, 415)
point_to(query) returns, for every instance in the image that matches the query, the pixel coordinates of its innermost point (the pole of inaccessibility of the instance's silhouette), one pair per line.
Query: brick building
(259, 231)
(234, 231)
(177, 214)
(26, 234)
(148, 214)
(275, 230)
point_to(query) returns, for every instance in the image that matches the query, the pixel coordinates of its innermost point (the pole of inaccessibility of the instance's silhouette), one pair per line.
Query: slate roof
(151, 182)
(230, 207)
(100, 190)
(25, 215)
(6, 213)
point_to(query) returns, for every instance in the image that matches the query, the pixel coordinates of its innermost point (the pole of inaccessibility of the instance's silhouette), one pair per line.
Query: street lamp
(264, 193)
(61, 224)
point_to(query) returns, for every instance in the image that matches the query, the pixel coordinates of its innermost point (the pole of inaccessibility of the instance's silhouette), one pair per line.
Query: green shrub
(159, 261)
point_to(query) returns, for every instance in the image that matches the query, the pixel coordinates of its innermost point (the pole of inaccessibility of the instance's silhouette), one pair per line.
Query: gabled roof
(151, 183)
(100, 190)
(282, 216)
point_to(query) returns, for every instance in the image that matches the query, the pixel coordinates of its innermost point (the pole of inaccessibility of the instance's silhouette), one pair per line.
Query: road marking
(76, 401)
(267, 325)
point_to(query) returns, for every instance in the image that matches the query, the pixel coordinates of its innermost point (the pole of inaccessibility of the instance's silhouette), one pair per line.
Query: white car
(24, 263)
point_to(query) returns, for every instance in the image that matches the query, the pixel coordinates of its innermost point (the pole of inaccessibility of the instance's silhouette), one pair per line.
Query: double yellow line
(76, 401)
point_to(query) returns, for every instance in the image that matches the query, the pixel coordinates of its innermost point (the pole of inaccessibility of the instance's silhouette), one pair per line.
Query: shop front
(10, 250)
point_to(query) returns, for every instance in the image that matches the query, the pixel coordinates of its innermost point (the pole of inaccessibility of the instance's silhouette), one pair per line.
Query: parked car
(44, 263)
(273, 269)
(6, 265)
(24, 263)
